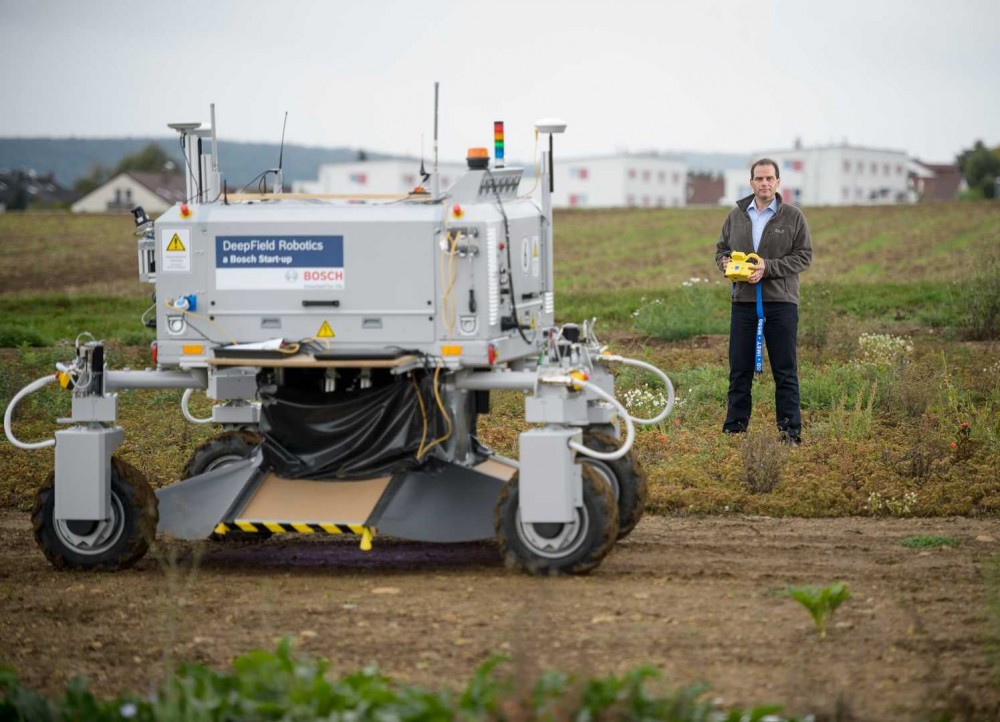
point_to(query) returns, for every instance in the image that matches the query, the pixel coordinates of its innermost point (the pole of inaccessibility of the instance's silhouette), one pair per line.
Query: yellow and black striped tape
(284, 527)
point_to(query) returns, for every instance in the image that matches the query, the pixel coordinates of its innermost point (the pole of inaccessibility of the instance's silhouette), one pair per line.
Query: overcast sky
(711, 75)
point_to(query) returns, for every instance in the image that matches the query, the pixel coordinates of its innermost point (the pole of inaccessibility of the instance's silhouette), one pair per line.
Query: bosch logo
(291, 275)
(331, 275)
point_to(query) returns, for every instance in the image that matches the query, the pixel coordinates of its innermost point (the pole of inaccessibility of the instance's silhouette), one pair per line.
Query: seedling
(820, 602)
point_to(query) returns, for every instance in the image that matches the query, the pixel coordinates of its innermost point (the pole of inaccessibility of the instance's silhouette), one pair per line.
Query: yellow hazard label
(176, 244)
(325, 331)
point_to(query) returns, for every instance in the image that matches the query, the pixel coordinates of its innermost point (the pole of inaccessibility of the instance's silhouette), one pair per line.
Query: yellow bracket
(366, 539)
(579, 376)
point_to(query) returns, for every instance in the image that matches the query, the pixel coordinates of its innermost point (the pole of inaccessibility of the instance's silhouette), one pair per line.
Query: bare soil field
(700, 598)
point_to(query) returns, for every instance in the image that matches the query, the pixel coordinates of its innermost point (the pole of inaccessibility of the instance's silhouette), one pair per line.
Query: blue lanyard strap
(758, 361)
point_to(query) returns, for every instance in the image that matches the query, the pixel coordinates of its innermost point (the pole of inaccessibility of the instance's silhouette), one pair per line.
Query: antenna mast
(279, 184)
(436, 187)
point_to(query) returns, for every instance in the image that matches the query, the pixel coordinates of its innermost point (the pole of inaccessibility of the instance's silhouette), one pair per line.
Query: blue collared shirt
(759, 219)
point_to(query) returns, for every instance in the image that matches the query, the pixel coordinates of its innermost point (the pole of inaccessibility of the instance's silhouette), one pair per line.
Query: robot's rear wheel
(220, 451)
(625, 477)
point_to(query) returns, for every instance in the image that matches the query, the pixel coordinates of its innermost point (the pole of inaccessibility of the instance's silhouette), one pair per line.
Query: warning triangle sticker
(176, 244)
(325, 331)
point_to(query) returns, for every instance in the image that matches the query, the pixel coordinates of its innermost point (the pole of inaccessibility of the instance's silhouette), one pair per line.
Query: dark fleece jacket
(785, 246)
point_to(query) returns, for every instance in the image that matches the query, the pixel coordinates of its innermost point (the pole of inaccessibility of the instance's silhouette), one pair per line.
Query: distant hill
(73, 158)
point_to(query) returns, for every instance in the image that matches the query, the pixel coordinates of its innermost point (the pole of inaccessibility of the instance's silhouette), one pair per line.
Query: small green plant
(926, 541)
(820, 602)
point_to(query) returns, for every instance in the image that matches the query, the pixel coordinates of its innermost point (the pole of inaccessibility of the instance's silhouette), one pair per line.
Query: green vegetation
(284, 686)
(929, 542)
(820, 602)
(980, 166)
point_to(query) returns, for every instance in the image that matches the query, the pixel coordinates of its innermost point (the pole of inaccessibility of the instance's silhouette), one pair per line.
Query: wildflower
(964, 425)
(953, 445)
(128, 710)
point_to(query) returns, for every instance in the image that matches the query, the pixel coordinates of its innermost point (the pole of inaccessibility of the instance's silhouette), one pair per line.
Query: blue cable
(758, 367)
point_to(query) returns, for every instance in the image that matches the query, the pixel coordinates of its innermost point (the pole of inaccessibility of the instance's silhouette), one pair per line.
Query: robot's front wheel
(575, 547)
(113, 543)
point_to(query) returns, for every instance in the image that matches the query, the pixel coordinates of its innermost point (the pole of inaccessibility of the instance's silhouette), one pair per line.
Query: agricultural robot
(349, 346)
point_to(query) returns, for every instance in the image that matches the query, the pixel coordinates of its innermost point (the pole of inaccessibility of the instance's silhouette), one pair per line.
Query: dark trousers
(780, 336)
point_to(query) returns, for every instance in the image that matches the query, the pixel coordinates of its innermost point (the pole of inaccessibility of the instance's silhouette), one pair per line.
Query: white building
(155, 192)
(620, 181)
(375, 177)
(833, 176)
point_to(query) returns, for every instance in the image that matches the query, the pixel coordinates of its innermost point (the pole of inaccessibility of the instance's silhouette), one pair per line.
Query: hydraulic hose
(648, 367)
(576, 383)
(8, 415)
(187, 412)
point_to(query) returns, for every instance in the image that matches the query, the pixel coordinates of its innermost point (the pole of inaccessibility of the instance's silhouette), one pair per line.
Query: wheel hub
(93, 537)
(554, 540)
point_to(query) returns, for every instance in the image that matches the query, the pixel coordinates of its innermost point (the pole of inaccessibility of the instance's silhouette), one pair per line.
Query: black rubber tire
(129, 532)
(632, 486)
(217, 452)
(595, 535)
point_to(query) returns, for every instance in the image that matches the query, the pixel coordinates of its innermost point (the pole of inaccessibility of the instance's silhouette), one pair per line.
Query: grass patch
(46, 320)
(927, 541)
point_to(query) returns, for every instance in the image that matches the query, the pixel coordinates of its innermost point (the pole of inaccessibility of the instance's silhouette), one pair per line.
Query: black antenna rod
(281, 152)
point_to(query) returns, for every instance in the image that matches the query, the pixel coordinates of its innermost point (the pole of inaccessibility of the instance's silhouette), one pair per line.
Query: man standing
(777, 232)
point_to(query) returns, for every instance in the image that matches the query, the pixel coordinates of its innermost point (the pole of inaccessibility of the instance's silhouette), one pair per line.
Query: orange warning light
(478, 158)
(456, 211)
(185, 210)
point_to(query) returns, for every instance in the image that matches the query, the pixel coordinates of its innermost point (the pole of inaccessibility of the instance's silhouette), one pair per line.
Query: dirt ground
(699, 598)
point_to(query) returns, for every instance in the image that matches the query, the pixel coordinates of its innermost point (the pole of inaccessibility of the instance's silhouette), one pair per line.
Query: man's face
(765, 183)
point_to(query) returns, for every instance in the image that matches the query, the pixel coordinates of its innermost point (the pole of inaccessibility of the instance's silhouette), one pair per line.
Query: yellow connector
(741, 265)
(64, 379)
(366, 539)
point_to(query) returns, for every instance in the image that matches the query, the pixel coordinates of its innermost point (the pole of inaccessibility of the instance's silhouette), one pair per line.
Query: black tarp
(371, 432)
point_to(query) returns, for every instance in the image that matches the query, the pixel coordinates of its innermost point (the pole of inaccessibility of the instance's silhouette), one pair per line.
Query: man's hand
(725, 262)
(758, 272)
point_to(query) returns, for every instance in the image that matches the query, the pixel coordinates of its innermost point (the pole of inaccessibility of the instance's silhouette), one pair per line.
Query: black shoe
(789, 438)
